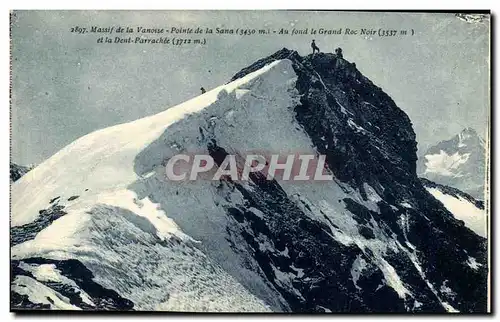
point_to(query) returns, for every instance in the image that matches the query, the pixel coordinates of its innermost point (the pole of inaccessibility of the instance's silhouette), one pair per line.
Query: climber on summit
(203, 91)
(314, 47)
(338, 52)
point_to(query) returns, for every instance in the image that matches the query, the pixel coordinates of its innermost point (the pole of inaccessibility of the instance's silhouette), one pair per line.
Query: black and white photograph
(249, 161)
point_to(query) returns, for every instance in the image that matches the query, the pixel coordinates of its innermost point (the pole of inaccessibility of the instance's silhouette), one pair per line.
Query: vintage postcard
(250, 161)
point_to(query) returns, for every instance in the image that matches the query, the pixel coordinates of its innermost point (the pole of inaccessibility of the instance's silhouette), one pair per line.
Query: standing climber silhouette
(338, 52)
(203, 91)
(314, 47)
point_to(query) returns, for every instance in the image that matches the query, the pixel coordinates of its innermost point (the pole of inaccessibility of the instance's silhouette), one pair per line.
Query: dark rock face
(17, 171)
(368, 139)
(364, 135)
(323, 263)
(82, 278)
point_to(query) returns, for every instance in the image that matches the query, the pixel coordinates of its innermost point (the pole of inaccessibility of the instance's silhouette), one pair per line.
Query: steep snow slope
(461, 205)
(101, 211)
(105, 157)
(129, 243)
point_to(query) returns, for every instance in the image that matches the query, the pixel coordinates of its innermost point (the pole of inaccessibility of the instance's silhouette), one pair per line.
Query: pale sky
(65, 85)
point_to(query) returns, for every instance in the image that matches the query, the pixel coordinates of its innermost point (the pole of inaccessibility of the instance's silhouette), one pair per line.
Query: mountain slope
(372, 240)
(458, 162)
(463, 206)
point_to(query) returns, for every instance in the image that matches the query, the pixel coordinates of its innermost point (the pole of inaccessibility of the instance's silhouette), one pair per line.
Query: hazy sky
(65, 85)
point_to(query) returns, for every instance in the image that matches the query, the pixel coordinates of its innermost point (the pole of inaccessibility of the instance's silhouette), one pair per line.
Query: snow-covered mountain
(458, 162)
(97, 226)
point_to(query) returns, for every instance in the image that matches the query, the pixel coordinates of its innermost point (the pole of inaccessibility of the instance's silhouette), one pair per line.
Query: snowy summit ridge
(98, 227)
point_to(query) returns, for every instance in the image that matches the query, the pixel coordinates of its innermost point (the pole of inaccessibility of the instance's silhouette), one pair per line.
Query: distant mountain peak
(457, 162)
